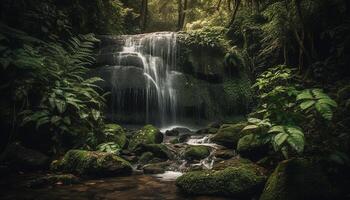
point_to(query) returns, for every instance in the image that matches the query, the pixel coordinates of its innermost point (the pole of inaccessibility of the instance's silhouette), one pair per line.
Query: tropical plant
(109, 147)
(284, 109)
(54, 73)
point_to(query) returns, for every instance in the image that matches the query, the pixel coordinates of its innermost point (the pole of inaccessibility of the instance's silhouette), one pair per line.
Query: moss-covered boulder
(147, 135)
(158, 150)
(236, 182)
(296, 179)
(146, 157)
(155, 168)
(251, 147)
(54, 179)
(224, 153)
(228, 135)
(22, 158)
(92, 163)
(196, 152)
(114, 133)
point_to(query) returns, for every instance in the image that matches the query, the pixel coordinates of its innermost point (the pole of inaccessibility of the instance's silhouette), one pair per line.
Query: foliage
(109, 147)
(213, 37)
(55, 74)
(284, 109)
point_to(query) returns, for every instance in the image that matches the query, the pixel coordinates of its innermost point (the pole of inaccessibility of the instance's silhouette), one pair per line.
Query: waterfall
(155, 55)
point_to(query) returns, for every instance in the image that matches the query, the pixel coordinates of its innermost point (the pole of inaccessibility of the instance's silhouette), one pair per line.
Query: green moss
(92, 163)
(147, 135)
(158, 150)
(296, 179)
(115, 133)
(146, 157)
(250, 147)
(231, 181)
(229, 134)
(196, 152)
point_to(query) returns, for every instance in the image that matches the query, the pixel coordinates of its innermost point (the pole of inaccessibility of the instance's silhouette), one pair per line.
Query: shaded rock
(114, 133)
(224, 154)
(23, 158)
(196, 152)
(146, 157)
(156, 168)
(158, 150)
(92, 163)
(172, 132)
(236, 182)
(62, 179)
(147, 135)
(251, 147)
(228, 135)
(209, 130)
(181, 138)
(239, 162)
(296, 179)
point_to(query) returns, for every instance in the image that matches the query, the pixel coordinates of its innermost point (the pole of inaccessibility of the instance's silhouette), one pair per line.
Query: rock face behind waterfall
(156, 78)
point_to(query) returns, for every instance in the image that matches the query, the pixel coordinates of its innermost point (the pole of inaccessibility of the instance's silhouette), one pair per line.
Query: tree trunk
(182, 7)
(237, 3)
(143, 15)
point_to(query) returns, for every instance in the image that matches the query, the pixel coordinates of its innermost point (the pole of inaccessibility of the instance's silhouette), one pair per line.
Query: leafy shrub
(284, 109)
(54, 73)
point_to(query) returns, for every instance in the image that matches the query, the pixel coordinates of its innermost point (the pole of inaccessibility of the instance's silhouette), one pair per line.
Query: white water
(157, 52)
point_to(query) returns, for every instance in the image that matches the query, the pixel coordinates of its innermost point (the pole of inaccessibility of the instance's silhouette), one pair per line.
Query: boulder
(296, 179)
(251, 147)
(196, 152)
(228, 135)
(155, 168)
(147, 135)
(24, 158)
(235, 182)
(54, 179)
(224, 154)
(114, 133)
(92, 163)
(158, 150)
(146, 157)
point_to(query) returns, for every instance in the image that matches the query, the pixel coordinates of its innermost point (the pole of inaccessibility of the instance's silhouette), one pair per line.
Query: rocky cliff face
(158, 78)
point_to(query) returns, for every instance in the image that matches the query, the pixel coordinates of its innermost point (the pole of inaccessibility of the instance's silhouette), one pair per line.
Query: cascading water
(156, 54)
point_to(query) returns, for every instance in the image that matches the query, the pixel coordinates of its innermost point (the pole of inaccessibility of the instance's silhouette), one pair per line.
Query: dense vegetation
(295, 52)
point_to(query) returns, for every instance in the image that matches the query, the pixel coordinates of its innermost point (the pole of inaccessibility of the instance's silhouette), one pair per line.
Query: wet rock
(25, 159)
(114, 133)
(155, 168)
(172, 132)
(209, 130)
(296, 179)
(146, 157)
(183, 137)
(62, 179)
(228, 135)
(158, 150)
(236, 182)
(147, 135)
(224, 154)
(250, 147)
(196, 152)
(92, 163)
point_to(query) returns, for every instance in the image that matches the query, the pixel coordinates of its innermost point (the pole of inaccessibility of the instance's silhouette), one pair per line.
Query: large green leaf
(306, 94)
(280, 138)
(325, 110)
(307, 104)
(297, 142)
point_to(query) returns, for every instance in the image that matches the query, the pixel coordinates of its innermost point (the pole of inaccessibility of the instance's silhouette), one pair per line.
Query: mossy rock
(228, 135)
(235, 182)
(158, 150)
(146, 157)
(155, 168)
(54, 179)
(115, 134)
(92, 163)
(196, 152)
(147, 135)
(251, 147)
(296, 179)
(224, 154)
(23, 158)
